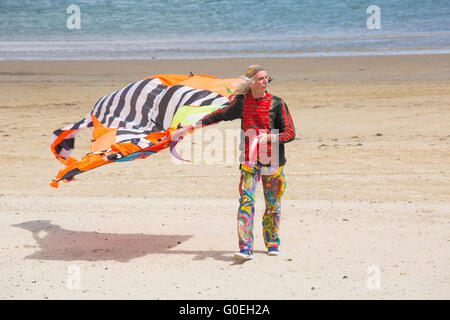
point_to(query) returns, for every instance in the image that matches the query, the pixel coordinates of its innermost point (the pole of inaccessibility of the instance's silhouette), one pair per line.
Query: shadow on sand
(56, 243)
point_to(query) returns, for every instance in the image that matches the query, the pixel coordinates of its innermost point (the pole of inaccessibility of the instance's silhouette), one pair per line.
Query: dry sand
(367, 185)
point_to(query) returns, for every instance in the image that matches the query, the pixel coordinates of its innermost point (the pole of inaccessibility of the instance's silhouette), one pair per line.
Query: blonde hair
(244, 86)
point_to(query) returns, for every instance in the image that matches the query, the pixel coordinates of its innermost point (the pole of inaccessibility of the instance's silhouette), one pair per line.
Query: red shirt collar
(250, 95)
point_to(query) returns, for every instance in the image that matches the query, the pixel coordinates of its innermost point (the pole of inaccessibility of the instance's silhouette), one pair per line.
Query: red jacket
(268, 114)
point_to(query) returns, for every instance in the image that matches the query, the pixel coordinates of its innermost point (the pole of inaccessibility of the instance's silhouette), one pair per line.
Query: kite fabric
(137, 121)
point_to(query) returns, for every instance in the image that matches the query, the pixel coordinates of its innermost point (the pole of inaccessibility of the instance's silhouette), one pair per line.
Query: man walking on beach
(266, 126)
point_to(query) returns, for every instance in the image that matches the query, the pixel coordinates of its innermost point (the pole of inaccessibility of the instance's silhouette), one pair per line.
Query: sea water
(177, 29)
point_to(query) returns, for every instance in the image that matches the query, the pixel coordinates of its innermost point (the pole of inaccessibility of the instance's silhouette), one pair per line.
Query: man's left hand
(264, 138)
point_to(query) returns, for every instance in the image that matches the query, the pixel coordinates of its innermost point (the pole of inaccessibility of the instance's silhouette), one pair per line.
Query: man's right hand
(180, 133)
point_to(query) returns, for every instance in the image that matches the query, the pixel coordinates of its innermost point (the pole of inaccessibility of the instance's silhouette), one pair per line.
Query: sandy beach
(366, 212)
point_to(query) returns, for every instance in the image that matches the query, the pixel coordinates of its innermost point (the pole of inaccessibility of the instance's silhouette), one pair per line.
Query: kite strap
(253, 151)
(175, 141)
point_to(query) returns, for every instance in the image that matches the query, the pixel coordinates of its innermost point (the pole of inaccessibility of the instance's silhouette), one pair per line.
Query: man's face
(261, 81)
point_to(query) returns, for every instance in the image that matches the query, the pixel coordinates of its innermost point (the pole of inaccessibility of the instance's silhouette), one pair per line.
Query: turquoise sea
(175, 29)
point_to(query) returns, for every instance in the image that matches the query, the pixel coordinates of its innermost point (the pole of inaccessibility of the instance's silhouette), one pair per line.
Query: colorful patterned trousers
(273, 184)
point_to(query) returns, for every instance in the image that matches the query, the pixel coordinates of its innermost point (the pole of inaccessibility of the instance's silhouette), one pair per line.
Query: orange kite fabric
(137, 121)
